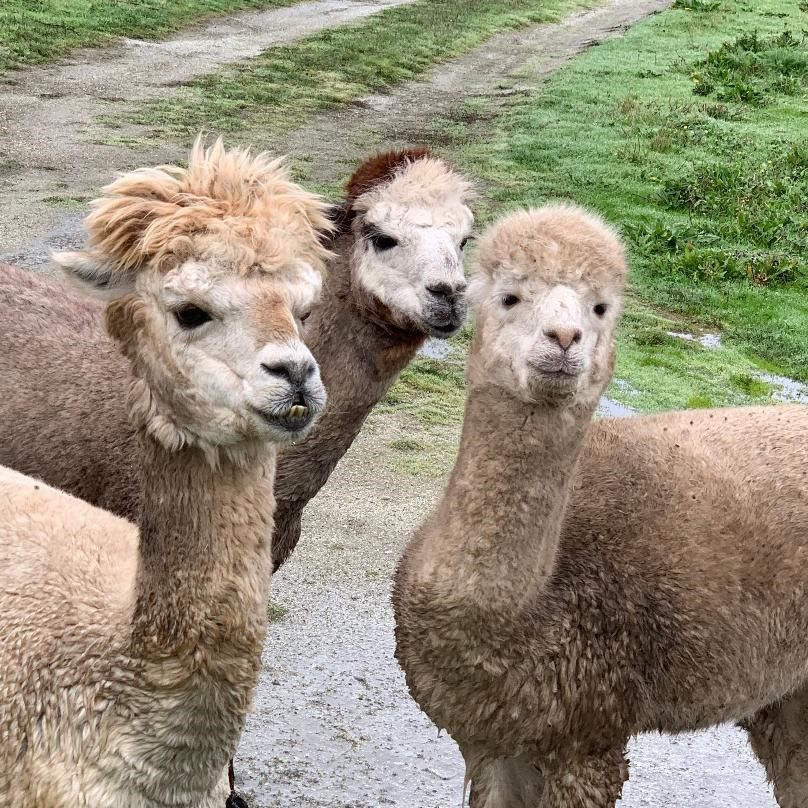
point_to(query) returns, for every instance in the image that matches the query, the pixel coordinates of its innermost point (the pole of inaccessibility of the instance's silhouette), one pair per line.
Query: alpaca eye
(509, 301)
(305, 316)
(382, 242)
(191, 316)
(600, 309)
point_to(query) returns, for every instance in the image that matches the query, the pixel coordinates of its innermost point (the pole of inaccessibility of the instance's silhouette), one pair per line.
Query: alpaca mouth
(446, 325)
(557, 377)
(445, 330)
(294, 419)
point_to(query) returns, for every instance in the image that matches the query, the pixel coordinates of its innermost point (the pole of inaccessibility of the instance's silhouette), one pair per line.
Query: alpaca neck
(495, 535)
(360, 355)
(204, 564)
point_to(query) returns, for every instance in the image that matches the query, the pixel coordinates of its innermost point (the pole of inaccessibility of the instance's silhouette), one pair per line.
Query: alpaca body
(579, 584)
(179, 705)
(73, 430)
(677, 600)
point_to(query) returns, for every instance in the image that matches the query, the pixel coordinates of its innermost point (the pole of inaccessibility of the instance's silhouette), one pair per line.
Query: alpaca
(579, 584)
(395, 277)
(128, 657)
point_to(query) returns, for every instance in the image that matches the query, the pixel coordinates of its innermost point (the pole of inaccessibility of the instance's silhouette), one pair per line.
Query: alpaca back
(689, 532)
(66, 594)
(63, 393)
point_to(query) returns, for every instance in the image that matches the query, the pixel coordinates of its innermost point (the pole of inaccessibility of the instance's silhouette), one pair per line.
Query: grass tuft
(752, 69)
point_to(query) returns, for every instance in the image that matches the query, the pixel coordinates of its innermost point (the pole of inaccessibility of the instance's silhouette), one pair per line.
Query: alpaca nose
(296, 372)
(563, 336)
(445, 291)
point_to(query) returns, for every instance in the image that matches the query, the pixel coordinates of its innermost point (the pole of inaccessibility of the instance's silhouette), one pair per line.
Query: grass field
(33, 31)
(283, 86)
(696, 146)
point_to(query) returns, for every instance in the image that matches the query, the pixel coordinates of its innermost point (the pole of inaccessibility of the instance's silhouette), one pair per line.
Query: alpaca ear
(93, 273)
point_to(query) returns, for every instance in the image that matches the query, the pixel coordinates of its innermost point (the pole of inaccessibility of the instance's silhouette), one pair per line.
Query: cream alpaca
(128, 658)
(580, 584)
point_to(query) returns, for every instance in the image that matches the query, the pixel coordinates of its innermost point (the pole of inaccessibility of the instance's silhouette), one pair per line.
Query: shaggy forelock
(428, 181)
(245, 203)
(559, 243)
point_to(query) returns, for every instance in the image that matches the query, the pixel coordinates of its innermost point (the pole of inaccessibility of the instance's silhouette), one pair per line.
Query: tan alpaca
(554, 605)
(395, 276)
(128, 658)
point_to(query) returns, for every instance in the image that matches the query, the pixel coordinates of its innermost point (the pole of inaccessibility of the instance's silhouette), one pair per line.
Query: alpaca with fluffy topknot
(128, 657)
(579, 584)
(393, 277)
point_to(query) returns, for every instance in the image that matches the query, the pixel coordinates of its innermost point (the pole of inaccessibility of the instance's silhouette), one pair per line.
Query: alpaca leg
(507, 783)
(594, 782)
(779, 736)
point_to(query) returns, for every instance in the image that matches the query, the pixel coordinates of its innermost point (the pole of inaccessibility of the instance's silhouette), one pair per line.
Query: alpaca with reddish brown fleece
(581, 583)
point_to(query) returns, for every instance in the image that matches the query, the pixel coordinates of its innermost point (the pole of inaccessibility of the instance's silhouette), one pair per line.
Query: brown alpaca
(128, 657)
(553, 605)
(379, 302)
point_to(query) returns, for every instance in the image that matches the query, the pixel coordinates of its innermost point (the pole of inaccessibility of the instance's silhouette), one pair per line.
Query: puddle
(786, 391)
(435, 349)
(626, 387)
(709, 341)
(609, 408)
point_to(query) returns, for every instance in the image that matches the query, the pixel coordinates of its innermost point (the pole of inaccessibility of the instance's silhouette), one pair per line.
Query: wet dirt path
(47, 153)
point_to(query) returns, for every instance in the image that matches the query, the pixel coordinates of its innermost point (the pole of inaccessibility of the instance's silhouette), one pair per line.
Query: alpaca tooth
(298, 411)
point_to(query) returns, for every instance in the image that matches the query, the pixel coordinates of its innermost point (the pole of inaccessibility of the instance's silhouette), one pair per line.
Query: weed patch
(752, 69)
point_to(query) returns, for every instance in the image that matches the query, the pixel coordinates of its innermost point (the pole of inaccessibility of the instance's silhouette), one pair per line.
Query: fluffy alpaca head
(547, 292)
(210, 269)
(410, 215)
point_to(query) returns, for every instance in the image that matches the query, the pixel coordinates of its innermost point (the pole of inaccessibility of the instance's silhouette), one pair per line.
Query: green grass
(284, 85)
(695, 145)
(33, 31)
(276, 611)
(707, 179)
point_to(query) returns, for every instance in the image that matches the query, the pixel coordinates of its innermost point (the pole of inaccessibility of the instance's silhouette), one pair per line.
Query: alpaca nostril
(296, 373)
(441, 290)
(564, 336)
(280, 370)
